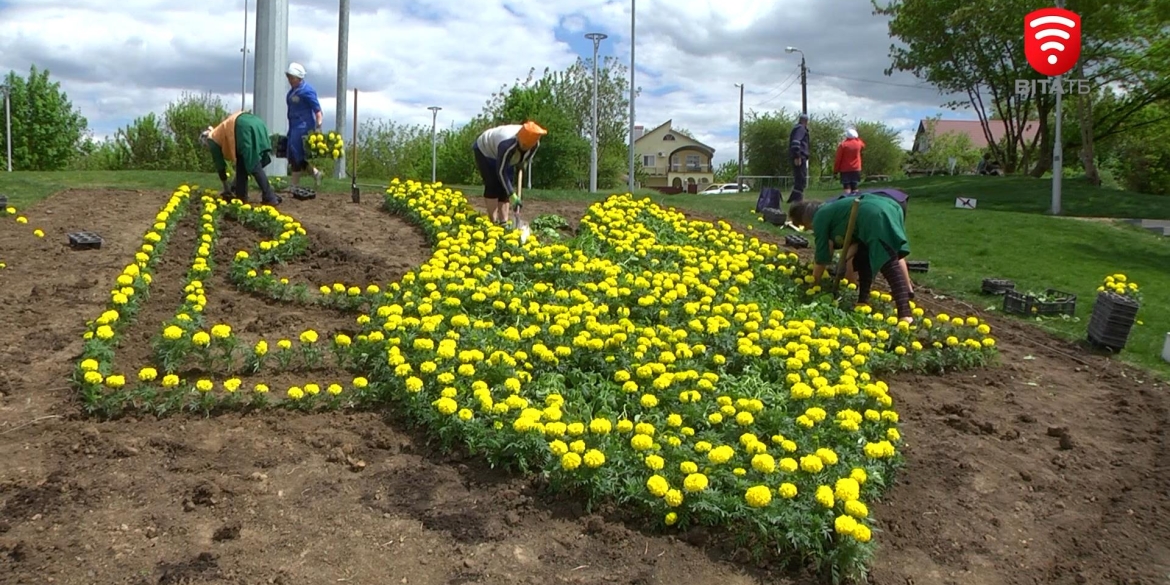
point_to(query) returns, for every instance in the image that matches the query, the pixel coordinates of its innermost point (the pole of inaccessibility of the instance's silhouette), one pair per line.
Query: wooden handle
(839, 273)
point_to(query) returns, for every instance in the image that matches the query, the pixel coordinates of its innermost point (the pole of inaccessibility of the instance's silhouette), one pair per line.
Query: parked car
(723, 188)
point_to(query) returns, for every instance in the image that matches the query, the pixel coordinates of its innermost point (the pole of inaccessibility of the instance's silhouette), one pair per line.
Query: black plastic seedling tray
(997, 286)
(918, 265)
(793, 241)
(774, 216)
(85, 241)
(302, 193)
(3, 202)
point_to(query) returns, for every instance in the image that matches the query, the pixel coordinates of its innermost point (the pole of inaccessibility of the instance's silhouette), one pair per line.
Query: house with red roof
(972, 128)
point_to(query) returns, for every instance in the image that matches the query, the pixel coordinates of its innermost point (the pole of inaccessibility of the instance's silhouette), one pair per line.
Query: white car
(723, 188)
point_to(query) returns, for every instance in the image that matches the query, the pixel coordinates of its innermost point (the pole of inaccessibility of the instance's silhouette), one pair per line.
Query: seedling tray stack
(774, 216)
(1113, 317)
(1054, 303)
(3, 202)
(793, 241)
(918, 265)
(997, 286)
(279, 145)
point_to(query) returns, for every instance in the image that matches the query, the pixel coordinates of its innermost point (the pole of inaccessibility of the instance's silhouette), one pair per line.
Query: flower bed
(678, 367)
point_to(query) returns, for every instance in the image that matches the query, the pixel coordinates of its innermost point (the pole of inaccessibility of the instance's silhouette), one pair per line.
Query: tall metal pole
(244, 63)
(1058, 147)
(739, 177)
(8, 123)
(342, 79)
(434, 143)
(596, 38)
(633, 92)
(270, 85)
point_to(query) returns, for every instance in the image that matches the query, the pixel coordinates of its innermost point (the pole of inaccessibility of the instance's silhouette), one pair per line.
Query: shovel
(517, 204)
(839, 273)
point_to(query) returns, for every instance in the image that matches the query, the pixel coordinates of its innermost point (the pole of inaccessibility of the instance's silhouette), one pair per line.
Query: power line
(779, 93)
(789, 80)
(876, 82)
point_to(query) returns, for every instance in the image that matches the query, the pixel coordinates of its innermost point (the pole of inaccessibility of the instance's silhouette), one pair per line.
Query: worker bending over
(879, 237)
(499, 153)
(243, 139)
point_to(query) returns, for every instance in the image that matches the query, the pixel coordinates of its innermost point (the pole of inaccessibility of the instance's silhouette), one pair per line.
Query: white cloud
(121, 60)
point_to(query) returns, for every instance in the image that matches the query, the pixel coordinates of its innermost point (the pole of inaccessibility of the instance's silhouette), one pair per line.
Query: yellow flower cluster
(325, 145)
(1119, 284)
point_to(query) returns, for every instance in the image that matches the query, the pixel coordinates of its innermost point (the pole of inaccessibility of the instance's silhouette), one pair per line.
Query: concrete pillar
(342, 70)
(270, 85)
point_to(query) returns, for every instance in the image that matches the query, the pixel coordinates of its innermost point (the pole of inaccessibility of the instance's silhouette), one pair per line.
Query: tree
(765, 142)
(47, 131)
(563, 158)
(144, 145)
(387, 150)
(975, 50)
(883, 155)
(727, 172)
(185, 119)
(946, 146)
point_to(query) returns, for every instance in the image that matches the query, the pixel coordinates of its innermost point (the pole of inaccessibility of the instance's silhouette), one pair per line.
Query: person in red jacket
(848, 162)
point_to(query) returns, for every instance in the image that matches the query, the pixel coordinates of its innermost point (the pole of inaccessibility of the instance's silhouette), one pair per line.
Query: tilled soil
(1048, 468)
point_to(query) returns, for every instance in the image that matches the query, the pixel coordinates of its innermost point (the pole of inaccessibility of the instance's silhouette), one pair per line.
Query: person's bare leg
(906, 272)
(505, 209)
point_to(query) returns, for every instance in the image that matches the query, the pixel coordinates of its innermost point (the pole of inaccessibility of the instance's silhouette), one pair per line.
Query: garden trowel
(517, 204)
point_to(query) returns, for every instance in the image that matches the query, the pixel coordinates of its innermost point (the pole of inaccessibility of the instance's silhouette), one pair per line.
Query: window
(668, 137)
(648, 161)
(674, 164)
(694, 163)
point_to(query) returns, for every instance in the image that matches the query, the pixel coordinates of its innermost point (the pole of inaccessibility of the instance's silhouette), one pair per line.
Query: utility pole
(8, 123)
(270, 84)
(434, 144)
(739, 177)
(342, 79)
(1058, 147)
(596, 38)
(633, 92)
(244, 63)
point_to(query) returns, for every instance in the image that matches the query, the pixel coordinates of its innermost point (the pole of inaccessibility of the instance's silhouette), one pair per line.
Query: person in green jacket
(243, 139)
(879, 237)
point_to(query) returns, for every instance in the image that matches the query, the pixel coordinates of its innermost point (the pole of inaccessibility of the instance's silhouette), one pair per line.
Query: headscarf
(851, 133)
(529, 135)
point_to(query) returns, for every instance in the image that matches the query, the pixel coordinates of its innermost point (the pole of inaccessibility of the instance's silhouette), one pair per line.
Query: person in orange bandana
(243, 139)
(499, 153)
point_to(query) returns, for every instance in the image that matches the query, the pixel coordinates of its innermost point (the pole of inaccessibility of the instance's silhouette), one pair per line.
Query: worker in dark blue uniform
(304, 116)
(499, 153)
(798, 153)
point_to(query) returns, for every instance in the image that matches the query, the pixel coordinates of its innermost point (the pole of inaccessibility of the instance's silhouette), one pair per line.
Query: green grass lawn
(1008, 236)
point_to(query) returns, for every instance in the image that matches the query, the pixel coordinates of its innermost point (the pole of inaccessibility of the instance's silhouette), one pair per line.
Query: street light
(803, 79)
(633, 91)
(434, 145)
(244, 62)
(596, 38)
(8, 123)
(739, 178)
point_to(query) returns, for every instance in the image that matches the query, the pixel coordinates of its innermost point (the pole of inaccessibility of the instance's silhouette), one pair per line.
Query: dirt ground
(1050, 468)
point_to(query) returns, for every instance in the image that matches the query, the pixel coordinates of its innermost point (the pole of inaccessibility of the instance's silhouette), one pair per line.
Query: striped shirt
(501, 145)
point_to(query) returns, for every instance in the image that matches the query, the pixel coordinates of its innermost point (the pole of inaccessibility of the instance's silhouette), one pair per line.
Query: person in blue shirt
(499, 153)
(304, 116)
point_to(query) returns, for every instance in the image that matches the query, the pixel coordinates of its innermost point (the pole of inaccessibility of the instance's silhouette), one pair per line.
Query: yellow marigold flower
(221, 331)
(360, 382)
(671, 519)
(861, 533)
(811, 464)
(845, 525)
(655, 462)
(232, 384)
(89, 365)
(764, 463)
(688, 467)
(170, 381)
(721, 454)
(147, 374)
(856, 509)
(673, 498)
(570, 461)
(594, 458)
(695, 482)
(657, 485)
(204, 385)
(858, 474)
(295, 393)
(824, 496)
(787, 491)
(758, 496)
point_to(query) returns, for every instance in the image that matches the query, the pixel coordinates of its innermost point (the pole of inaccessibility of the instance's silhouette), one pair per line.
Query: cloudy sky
(121, 59)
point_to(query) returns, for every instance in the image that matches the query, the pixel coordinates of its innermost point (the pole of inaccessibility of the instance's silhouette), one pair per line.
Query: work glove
(516, 201)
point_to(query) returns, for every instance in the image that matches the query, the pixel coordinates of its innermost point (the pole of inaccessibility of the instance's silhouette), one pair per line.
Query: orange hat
(529, 135)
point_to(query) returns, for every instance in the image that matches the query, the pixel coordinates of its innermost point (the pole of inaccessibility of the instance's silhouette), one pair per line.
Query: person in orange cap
(499, 153)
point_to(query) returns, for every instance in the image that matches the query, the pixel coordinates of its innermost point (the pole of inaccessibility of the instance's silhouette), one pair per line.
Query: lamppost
(244, 62)
(8, 123)
(803, 79)
(739, 178)
(633, 91)
(434, 145)
(596, 38)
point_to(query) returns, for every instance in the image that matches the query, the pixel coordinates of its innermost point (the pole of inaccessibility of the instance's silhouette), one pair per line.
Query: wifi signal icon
(1052, 40)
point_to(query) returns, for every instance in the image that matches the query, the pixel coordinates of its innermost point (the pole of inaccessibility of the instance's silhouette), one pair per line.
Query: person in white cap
(304, 116)
(848, 161)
